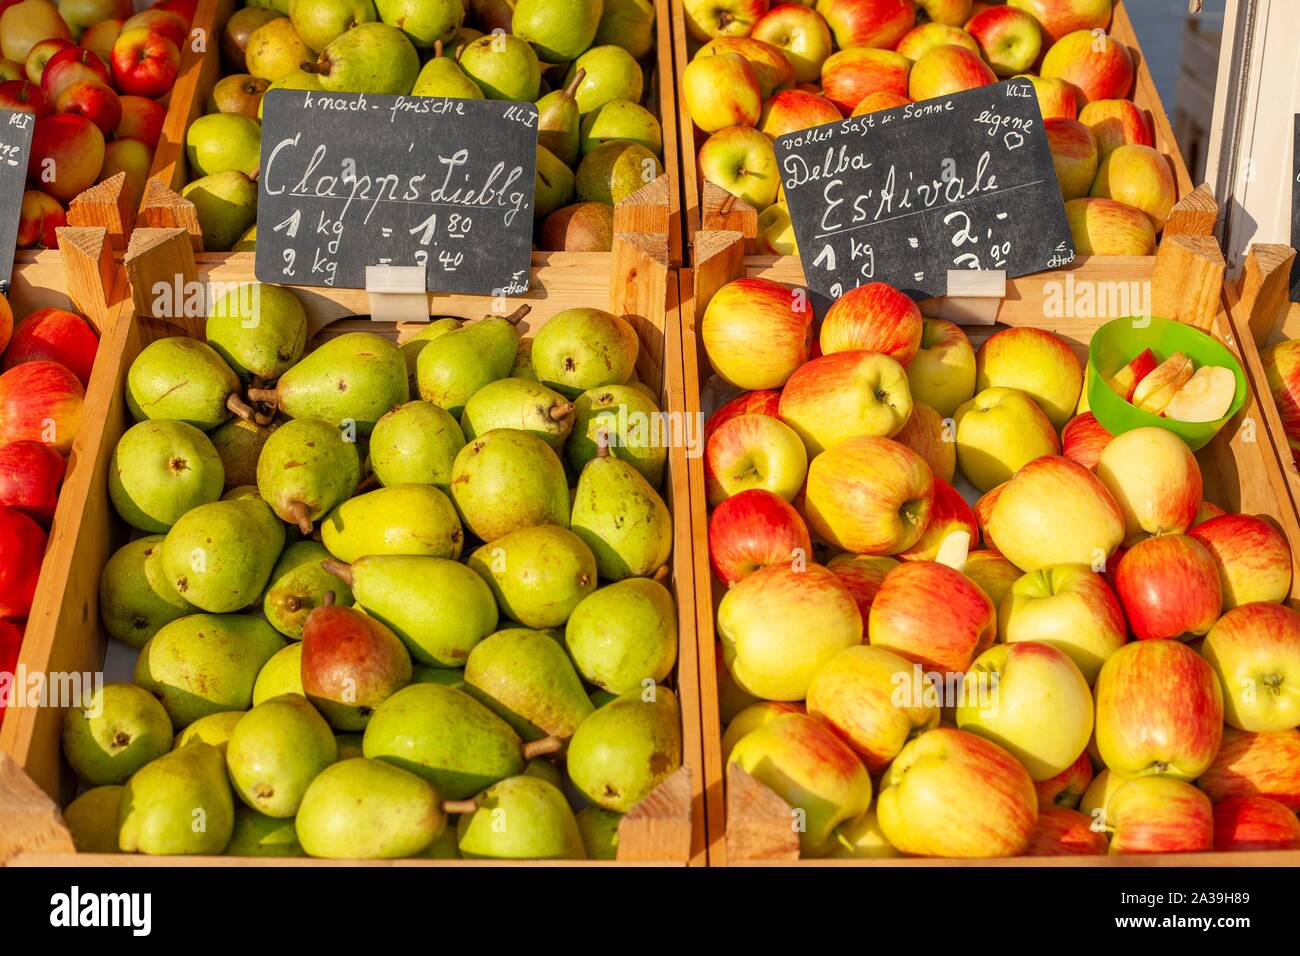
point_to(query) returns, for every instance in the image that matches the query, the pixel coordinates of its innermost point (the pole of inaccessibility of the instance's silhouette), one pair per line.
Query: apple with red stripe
(1159, 815)
(1062, 831)
(1067, 788)
(752, 530)
(869, 495)
(1253, 558)
(1250, 764)
(1071, 608)
(757, 332)
(1254, 823)
(1169, 587)
(932, 614)
(1255, 651)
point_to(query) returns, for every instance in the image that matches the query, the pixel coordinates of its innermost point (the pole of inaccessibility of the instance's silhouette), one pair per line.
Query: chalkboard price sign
(351, 180)
(15, 152)
(903, 195)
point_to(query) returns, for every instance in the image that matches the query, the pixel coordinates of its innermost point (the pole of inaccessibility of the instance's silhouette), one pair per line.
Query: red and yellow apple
(756, 332)
(752, 718)
(862, 574)
(1249, 764)
(1074, 155)
(40, 401)
(1169, 588)
(925, 36)
(1084, 439)
(868, 23)
(1282, 370)
(762, 402)
(844, 395)
(1036, 362)
(1055, 97)
(933, 615)
(754, 529)
(22, 546)
(1140, 177)
(67, 154)
(999, 431)
(1159, 815)
(933, 439)
(875, 317)
(1069, 607)
(742, 161)
(753, 451)
(1253, 558)
(942, 373)
(949, 515)
(142, 119)
(801, 34)
(54, 335)
(1067, 788)
(38, 219)
(1125, 382)
(1104, 227)
(1065, 832)
(851, 74)
(25, 24)
(1009, 38)
(721, 91)
(21, 96)
(706, 19)
(1097, 66)
(791, 110)
(1154, 478)
(1059, 17)
(1255, 651)
(1254, 823)
(145, 62)
(873, 102)
(994, 574)
(945, 70)
(30, 475)
(1116, 123)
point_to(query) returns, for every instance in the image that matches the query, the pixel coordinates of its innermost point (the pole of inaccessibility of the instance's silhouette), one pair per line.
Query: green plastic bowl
(1118, 342)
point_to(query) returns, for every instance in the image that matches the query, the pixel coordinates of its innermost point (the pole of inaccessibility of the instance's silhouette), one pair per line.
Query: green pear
(412, 347)
(627, 748)
(446, 676)
(351, 663)
(613, 171)
(600, 697)
(443, 848)
(439, 608)
(320, 22)
(245, 491)
(558, 122)
(363, 809)
(538, 575)
(445, 736)
(160, 470)
(505, 480)
(275, 50)
(349, 746)
(624, 635)
(554, 184)
(296, 79)
(238, 444)
(612, 74)
(518, 403)
(369, 58)
(527, 679)
(282, 674)
(599, 829)
(205, 663)
(307, 469)
(220, 555)
(442, 76)
(350, 382)
(238, 29)
(543, 769)
(622, 518)
(92, 820)
(523, 367)
(520, 818)
(276, 751)
(179, 804)
(135, 597)
(226, 206)
(581, 349)
(455, 365)
(621, 121)
(221, 142)
(237, 93)
(297, 587)
(401, 519)
(558, 29)
(630, 419)
(255, 834)
(260, 330)
(181, 379)
(247, 242)
(425, 22)
(281, 7)
(416, 444)
(119, 729)
(504, 67)
(214, 729)
(629, 24)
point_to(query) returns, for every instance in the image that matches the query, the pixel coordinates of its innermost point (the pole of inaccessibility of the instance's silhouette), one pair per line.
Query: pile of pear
(375, 626)
(580, 61)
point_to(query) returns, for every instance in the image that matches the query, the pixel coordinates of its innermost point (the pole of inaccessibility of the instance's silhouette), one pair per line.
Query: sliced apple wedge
(1206, 397)
(1127, 378)
(1155, 390)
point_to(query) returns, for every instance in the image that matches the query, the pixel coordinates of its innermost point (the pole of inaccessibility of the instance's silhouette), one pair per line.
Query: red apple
(1059, 17)
(846, 395)
(1159, 815)
(40, 401)
(882, 100)
(70, 66)
(757, 332)
(1055, 97)
(100, 38)
(20, 96)
(142, 119)
(1084, 439)
(1154, 479)
(39, 56)
(862, 574)
(762, 402)
(1253, 558)
(753, 451)
(1074, 154)
(95, 101)
(1254, 823)
(171, 25)
(67, 154)
(876, 317)
(57, 336)
(145, 62)
(1067, 788)
(1064, 832)
(984, 509)
(1247, 764)
(1098, 67)
(946, 70)
(1169, 587)
(22, 546)
(752, 530)
(1255, 651)
(933, 615)
(40, 217)
(869, 495)
(11, 641)
(791, 110)
(873, 23)
(1009, 38)
(30, 475)
(949, 514)
(1159, 710)
(851, 74)
(1117, 123)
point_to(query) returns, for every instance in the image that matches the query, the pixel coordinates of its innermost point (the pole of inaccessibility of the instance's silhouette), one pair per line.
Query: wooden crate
(162, 206)
(748, 823)
(708, 206)
(666, 827)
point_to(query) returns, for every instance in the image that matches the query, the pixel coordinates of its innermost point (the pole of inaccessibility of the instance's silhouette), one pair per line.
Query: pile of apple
(765, 70)
(45, 361)
(1282, 371)
(92, 73)
(580, 60)
(1092, 659)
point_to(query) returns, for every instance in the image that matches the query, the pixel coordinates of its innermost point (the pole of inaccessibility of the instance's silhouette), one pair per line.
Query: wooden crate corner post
(163, 208)
(1196, 214)
(648, 210)
(659, 827)
(723, 212)
(160, 258)
(90, 271)
(1187, 280)
(1263, 291)
(107, 205)
(760, 825)
(32, 822)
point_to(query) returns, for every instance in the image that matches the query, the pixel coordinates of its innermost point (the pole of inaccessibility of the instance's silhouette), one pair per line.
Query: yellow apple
(1040, 364)
(999, 431)
(942, 373)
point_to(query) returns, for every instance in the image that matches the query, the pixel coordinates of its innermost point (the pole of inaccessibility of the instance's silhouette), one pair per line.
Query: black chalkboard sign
(1295, 210)
(905, 194)
(15, 151)
(350, 180)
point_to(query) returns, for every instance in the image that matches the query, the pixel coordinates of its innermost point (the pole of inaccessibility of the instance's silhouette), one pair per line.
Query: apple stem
(517, 316)
(339, 569)
(450, 807)
(539, 748)
(571, 91)
(602, 443)
(561, 411)
(298, 511)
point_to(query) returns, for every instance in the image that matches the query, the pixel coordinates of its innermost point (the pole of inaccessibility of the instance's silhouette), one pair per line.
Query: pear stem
(256, 174)
(571, 91)
(459, 806)
(602, 443)
(240, 407)
(339, 569)
(268, 395)
(367, 483)
(298, 512)
(327, 599)
(517, 316)
(561, 411)
(437, 49)
(539, 748)
(661, 575)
